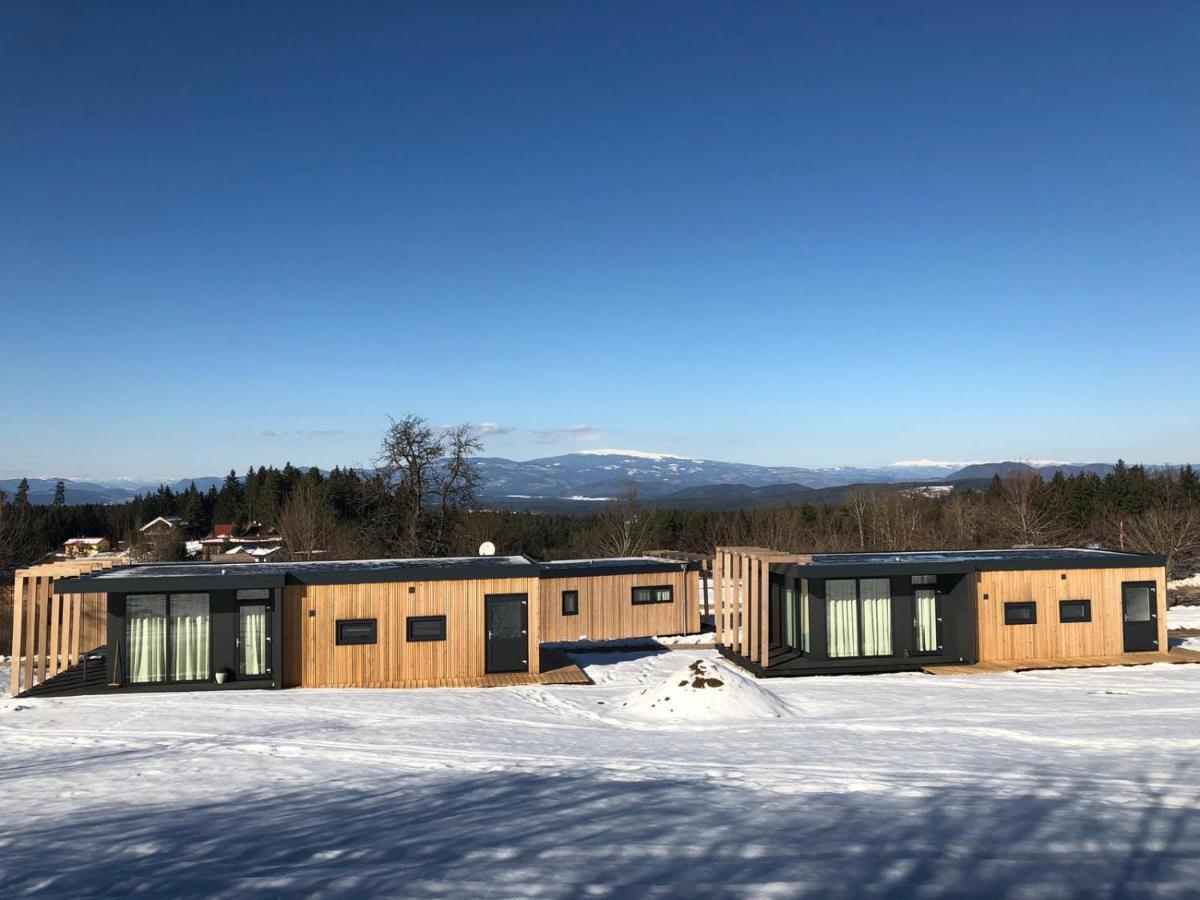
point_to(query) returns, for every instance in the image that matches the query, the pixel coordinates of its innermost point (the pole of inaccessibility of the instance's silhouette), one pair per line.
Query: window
(659, 594)
(168, 638)
(570, 603)
(355, 631)
(928, 580)
(426, 628)
(1024, 613)
(926, 618)
(1074, 610)
(797, 633)
(858, 617)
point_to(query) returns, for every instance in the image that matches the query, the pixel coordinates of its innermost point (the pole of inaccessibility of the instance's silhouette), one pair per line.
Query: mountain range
(590, 477)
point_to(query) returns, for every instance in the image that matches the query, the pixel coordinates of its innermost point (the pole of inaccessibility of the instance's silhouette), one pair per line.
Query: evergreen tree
(21, 500)
(230, 503)
(60, 495)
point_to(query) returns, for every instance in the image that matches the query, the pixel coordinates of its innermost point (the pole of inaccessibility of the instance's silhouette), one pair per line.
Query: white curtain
(805, 629)
(926, 600)
(842, 615)
(253, 636)
(789, 617)
(876, 594)
(146, 634)
(190, 634)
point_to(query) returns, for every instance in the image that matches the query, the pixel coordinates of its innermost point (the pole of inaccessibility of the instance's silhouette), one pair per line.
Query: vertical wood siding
(607, 612)
(311, 657)
(1049, 638)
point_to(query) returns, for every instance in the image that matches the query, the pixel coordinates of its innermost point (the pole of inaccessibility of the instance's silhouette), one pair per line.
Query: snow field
(1048, 784)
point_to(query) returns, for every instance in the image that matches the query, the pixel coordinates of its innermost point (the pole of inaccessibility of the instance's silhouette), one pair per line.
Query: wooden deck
(1177, 655)
(557, 668)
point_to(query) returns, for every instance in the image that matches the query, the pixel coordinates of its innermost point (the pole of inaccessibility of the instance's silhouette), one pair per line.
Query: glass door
(254, 636)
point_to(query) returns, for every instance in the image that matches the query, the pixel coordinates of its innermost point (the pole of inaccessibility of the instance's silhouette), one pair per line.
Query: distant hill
(1046, 470)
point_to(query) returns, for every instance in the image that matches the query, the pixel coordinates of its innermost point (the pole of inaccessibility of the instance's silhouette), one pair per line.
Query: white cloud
(572, 434)
(486, 429)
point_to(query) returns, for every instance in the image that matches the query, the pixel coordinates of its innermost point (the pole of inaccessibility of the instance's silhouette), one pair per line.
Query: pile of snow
(704, 691)
(1192, 582)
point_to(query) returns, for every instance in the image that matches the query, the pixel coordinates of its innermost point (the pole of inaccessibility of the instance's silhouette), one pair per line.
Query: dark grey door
(506, 617)
(1139, 609)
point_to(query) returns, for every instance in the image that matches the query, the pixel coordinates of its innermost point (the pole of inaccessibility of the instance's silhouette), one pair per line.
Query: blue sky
(793, 233)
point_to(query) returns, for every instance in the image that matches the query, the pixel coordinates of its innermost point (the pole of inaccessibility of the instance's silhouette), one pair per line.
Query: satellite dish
(487, 548)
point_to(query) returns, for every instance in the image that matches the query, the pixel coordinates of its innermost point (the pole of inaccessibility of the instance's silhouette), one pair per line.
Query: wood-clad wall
(1049, 638)
(312, 658)
(607, 612)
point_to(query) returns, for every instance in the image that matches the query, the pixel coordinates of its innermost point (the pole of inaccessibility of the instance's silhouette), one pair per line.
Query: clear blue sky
(794, 233)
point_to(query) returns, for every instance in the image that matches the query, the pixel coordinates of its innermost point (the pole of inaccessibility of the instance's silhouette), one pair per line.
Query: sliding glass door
(168, 638)
(858, 617)
(926, 620)
(146, 638)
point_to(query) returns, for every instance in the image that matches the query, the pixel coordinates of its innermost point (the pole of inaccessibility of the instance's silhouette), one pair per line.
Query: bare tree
(1023, 510)
(1168, 529)
(307, 523)
(428, 476)
(624, 528)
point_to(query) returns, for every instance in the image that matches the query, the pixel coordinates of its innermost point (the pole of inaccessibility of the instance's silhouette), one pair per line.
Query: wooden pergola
(741, 588)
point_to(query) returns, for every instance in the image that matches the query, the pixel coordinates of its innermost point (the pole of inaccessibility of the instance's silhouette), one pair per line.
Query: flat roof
(216, 576)
(988, 560)
(614, 565)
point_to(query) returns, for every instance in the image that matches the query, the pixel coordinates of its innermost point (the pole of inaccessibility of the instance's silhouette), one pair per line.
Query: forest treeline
(421, 499)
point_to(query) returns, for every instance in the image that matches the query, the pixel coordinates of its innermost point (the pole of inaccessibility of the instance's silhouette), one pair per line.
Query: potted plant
(223, 674)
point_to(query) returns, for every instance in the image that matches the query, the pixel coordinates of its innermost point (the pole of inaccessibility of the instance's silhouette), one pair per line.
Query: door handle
(489, 634)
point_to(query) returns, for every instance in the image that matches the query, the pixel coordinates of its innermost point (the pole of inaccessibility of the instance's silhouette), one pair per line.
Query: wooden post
(30, 628)
(54, 608)
(718, 598)
(18, 623)
(764, 627)
(751, 564)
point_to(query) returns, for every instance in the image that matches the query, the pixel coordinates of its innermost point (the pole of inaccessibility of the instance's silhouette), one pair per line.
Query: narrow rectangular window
(841, 605)
(355, 631)
(426, 628)
(790, 608)
(254, 627)
(1023, 613)
(570, 603)
(658, 594)
(1074, 610)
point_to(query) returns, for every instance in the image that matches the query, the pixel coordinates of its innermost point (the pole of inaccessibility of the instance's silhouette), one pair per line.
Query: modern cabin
(829, 613)
(465, 621)
(619, 598)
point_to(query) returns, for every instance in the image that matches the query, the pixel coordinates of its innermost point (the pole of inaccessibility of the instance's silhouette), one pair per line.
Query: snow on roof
(85, 540)
(169, 521)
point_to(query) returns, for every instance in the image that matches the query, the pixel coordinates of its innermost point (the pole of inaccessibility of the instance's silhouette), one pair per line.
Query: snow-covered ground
(1183, 617)
(1050, 784)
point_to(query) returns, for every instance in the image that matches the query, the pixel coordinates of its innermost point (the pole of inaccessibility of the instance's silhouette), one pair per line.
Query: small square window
(662, 593)
(924, 579)
(570, 603)
(1074, 610)
(1024, 613)
(426, 628)
(356, 631)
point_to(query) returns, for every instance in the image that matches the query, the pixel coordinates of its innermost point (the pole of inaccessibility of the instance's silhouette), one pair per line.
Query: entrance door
(1139, 609)
(506, 617)
(254, 639)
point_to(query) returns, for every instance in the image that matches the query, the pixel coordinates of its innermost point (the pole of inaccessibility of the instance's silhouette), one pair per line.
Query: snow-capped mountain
(606, 473)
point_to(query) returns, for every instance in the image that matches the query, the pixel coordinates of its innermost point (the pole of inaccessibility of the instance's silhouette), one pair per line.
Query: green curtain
(191, 630)
(146, 636)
